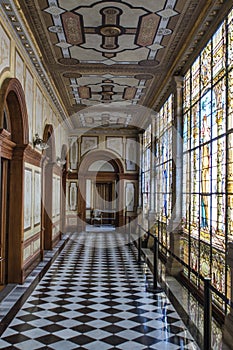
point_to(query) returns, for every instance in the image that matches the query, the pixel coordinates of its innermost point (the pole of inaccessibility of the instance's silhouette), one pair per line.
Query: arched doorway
(64, 164)
(13, 143)
(100, 187)
(4, 190)
(48, 162)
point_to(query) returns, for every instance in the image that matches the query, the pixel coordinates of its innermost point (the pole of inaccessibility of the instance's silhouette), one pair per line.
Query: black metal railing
(207, 292)
(154, 288)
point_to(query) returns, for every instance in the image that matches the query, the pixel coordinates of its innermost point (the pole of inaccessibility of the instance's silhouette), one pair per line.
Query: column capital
(72, 140)
(140, 137)
(179, 81)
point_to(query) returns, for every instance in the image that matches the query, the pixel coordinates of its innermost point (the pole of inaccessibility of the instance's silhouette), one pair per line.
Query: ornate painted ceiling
(100, 52)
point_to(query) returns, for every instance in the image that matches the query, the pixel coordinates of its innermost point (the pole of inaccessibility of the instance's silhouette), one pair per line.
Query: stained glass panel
(195, 73)
(194, 257)
(186, 96)
(195, 126)
(219, 108)
(205, 68)
(164, 160)
(230, 100)
(219, 53)
(145, 171)
(205, 256)
(230, 189)
(208, 162)
(230, 40)
(163, 170)
(186, 132)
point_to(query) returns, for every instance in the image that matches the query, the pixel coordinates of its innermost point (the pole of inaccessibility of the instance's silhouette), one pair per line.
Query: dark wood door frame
(49, 162)
(12, 99)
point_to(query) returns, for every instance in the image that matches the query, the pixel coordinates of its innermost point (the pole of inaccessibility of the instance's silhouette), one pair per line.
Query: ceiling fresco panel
(99, 52)
(107, 33)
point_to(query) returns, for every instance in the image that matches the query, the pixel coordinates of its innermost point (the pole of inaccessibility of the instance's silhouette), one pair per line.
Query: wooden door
(4, 214)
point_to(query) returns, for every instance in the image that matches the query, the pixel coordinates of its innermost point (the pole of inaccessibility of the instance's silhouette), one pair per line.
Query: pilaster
(173, 267)
(228, 326)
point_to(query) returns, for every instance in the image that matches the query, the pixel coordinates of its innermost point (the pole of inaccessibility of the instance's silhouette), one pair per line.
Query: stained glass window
(146, 170)
(163, 167)
(208, 161)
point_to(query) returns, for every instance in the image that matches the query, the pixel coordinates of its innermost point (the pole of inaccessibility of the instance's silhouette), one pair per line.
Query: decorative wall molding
(32, 156)
(5, 52)
(27, 199)
(88, 143)
(131, 154)
(6, 145)
(37, 198)
(130, 196)
(73, 192)
(115, 144)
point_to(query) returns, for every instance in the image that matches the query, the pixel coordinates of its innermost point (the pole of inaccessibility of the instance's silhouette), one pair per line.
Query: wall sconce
(39, 143)
(61, 161)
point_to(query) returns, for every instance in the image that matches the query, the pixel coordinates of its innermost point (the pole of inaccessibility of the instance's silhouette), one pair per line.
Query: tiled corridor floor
(94, 297)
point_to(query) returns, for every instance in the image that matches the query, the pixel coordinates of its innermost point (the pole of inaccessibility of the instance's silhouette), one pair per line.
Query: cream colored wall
(124, 147)
(15, 63)
(56, 205)
(118, 145)
(32, 209)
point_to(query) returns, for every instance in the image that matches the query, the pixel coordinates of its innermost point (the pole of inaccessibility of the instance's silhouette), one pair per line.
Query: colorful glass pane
(194, 257)
(230, 40)
(205, 68)
(145, 174)
(230, 100)
(195, 126)
(204, 260)
(195, 81)
(219, 108)
(230, 189)
(164, 159)
(186, 95)
(219, 53)
(205, 114)
(208, 161)
(185, 133)
(218, 273)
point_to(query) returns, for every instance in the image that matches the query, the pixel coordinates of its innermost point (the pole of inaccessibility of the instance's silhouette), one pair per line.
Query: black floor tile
(80, 301)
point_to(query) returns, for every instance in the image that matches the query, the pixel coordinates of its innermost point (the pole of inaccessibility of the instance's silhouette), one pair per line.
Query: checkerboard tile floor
(93, 297)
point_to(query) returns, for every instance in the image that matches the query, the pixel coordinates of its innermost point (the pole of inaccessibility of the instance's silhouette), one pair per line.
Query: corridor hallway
(93, 297)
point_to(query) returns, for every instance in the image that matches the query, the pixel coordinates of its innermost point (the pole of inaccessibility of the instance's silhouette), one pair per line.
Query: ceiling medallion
(110, 30)
(68, 61)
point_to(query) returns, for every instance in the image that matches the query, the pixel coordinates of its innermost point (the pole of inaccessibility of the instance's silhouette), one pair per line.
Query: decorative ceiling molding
(119, 51)
(32, 51)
